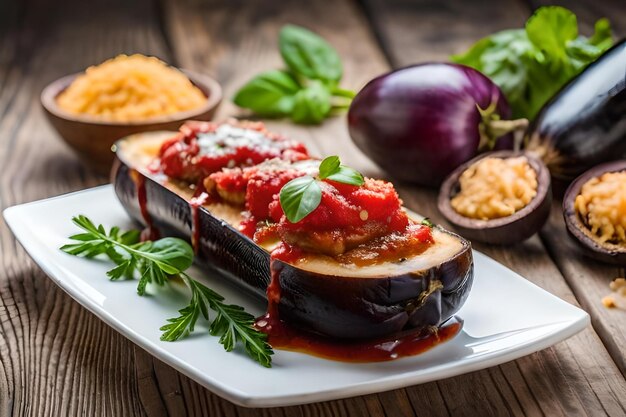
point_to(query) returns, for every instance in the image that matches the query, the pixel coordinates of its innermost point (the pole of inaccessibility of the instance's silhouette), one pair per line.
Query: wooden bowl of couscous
(122, 96)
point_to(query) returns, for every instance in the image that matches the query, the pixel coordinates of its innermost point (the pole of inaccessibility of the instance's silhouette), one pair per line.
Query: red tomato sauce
(202, 148)
(282, 335)
(245, 165)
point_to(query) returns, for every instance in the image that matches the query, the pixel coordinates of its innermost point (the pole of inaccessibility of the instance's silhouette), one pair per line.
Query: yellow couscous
(495, 187)
(129, 88)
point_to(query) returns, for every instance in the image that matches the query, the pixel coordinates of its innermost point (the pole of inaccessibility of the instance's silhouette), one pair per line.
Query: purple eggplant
(584, 124)
(367, 302)
(421, 122)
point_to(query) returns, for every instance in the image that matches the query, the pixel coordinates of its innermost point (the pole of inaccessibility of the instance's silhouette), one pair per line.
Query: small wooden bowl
(504, 230)
(608, 252)
(92, 137)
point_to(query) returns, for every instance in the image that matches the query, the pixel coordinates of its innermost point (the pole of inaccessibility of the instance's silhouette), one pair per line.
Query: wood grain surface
(57, 359)
(588, 279)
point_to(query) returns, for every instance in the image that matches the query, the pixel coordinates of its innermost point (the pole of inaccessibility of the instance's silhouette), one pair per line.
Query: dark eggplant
(421, 122)
(592, 247)
(585, 123)
(505, 230)
(322, 295)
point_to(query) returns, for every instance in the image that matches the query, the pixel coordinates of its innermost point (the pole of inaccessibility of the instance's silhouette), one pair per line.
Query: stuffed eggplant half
(358, 266)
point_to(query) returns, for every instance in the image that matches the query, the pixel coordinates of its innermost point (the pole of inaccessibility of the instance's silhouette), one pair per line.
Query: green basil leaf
(311, 105)
(329, 166)
(307, 54)
(270, 93)
(427, 222)
(550, 29)
(347, 175)
(299, 197)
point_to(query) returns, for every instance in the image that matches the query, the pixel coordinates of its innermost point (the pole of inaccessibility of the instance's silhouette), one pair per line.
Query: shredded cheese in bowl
(601, 206)
(495, 187)
(131, 88)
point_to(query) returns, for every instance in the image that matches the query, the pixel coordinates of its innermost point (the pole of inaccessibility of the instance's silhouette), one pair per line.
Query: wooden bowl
(507, 230)
(92, 137)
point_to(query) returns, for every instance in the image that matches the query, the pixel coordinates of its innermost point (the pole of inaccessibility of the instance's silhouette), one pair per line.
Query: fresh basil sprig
(530, 65)
(331, 169)
(427, 222)
(308, 90)
(300, 196)
(154, 262)
(308, 55)
(271, 93)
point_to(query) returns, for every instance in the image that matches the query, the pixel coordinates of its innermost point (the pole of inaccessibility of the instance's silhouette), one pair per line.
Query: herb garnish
(300, 196)
(308, 90)
(427, 222)
(530, 65)
(154, 262)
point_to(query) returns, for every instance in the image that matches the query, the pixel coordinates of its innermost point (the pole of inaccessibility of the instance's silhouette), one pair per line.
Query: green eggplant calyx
(492, 127)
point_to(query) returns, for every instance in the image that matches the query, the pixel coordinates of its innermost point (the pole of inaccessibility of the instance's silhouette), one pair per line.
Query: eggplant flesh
(317, 293)
(585, 123)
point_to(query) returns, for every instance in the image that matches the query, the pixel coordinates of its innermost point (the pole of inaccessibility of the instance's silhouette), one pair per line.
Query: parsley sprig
(154, 262)
(300, 196)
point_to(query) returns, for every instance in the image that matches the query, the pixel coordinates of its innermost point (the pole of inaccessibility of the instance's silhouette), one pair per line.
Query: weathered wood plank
(58, 359)
(412, 31)
(533, 384)
(589, 279)
(55, 357)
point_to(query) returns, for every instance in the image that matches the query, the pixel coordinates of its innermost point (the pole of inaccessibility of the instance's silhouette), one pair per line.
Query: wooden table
(57, 359)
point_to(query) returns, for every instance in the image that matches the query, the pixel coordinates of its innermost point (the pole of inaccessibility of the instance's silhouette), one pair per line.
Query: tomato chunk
(203, 148)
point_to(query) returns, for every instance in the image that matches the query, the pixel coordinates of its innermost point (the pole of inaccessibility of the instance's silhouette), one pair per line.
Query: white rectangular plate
(506, 317)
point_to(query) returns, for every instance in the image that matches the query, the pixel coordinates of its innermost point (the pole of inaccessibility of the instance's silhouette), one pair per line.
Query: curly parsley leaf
(154, 262)
(530, 65)
(231, 323)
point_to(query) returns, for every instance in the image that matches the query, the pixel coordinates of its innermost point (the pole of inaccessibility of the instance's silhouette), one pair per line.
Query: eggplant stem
(501, 127)
(493, 128)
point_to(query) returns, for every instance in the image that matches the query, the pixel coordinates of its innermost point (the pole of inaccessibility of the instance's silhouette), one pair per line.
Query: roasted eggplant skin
(371, 307)
(585, 123)
(334, 306)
